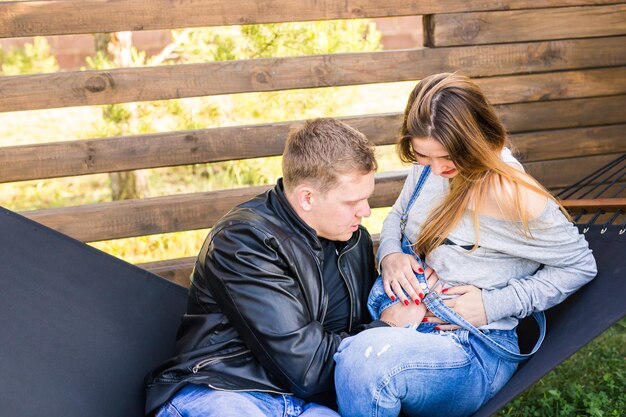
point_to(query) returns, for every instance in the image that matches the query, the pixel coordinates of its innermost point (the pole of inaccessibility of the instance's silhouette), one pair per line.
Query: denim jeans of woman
(201, 401)
(385, 370)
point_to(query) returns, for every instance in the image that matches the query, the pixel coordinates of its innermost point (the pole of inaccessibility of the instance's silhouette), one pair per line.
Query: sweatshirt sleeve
(567, 264)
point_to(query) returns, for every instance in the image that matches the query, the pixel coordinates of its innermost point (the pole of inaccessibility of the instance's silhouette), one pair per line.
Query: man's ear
(305, 196)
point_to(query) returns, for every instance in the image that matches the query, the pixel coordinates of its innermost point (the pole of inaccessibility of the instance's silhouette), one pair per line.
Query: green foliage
(236, 43)
(275, 40)
(590, 383)
(32, 58)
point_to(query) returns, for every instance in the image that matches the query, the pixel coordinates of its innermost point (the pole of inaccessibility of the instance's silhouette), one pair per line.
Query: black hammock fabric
(79, 329)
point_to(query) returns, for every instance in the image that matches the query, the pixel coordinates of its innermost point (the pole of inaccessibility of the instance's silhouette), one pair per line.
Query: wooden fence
(555, 70)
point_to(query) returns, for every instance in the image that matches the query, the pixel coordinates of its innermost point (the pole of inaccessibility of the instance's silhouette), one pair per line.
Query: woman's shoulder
(503, 197)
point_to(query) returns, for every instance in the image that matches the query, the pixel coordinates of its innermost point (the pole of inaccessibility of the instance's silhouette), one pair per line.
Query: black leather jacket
(257, 304)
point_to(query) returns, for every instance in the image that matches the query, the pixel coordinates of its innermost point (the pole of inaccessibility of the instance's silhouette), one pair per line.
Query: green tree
(31, 59)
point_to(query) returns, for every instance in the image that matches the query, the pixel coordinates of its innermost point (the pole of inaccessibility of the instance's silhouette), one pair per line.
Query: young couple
(277, 318)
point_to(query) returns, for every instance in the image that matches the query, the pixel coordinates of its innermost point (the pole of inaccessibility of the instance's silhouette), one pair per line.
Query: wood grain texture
(30, 18)
(454, 29)
(569, 143)
(82, 157)
(561, 114)
(561, 173)
(79, 88)
(609, 205)
(554, 86)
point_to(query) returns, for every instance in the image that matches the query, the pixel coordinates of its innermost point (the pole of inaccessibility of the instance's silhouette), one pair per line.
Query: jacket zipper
(346, 281)
(324, 296)
(207, 362)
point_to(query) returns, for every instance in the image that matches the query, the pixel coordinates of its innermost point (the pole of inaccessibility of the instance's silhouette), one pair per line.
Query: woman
(501, 245)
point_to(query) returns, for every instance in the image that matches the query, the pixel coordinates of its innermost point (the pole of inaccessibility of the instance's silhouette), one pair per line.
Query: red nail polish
(425, 320)
(393, 298)
(437, 328)
(445, 290)
(406, 302)
(420, 270)
(417, 302)
(421, 295)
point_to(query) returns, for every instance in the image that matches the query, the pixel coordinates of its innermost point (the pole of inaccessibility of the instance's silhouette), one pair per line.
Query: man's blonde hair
(321, 149)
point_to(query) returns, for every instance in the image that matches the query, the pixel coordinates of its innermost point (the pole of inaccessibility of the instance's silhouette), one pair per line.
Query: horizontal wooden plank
(568, 143)
(554, 86)
(130, 218)
(93, 156)
(79, 88)
(609, 205)
(454, 29)
(561, 173)
(560, 114)
(30, 18)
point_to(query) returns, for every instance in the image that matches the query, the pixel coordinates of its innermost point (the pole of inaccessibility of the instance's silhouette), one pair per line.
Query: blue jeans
(384, 370)
(201, 401)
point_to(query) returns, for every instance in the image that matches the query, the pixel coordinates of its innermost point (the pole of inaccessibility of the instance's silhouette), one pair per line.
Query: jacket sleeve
(258, 289)
(567, 261)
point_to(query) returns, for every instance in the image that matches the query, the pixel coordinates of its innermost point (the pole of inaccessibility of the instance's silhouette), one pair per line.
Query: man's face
(337, 213)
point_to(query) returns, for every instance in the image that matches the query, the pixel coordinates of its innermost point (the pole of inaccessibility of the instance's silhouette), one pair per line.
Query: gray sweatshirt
(506, 265)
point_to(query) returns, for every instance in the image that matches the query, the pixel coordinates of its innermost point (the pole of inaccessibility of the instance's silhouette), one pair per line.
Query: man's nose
(365, 210)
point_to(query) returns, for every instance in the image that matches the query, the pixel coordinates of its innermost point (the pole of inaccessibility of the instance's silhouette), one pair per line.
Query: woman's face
(428, 151)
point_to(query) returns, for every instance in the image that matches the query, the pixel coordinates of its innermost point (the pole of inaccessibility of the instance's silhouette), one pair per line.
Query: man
(279, 282)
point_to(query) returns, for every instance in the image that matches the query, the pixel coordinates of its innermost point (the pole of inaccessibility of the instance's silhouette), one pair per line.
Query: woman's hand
(400, 315)
(398, 272)
(468, 304)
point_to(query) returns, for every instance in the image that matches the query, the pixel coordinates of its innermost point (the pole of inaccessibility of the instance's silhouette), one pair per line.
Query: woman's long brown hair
(451, 109)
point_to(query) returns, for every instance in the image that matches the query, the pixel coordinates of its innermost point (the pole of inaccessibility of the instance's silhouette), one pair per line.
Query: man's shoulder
(253, 219)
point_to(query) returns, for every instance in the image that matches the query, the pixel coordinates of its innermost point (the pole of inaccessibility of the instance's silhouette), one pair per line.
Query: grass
(590, 383)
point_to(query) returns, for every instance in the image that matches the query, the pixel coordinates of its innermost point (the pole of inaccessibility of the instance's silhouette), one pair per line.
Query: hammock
(80, 329)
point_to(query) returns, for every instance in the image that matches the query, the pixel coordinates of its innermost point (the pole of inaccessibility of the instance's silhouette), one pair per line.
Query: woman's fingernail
(445, 290)
(420, 270)
(437, 328)
(417, 302)
(425, 320)
(421, 295)
(393, 298)
(406, 302)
